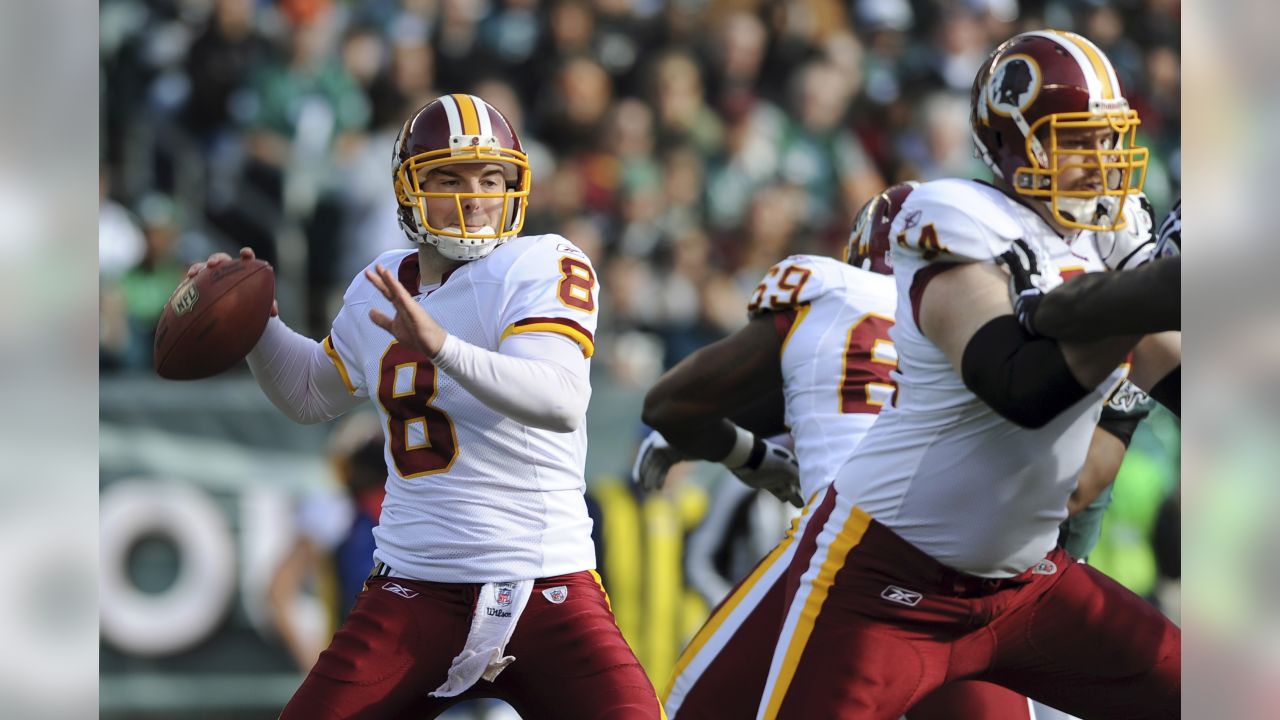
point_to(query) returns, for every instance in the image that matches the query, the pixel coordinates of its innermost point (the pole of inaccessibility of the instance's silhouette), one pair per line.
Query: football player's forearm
(701, 437)
(297, 376)
(1096, 305)
(549, 390)
(694, 403)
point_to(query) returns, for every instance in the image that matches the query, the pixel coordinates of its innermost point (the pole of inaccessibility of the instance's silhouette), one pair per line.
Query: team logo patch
(556, 595)
(503, 593)
(902, 596)
(1045, 567)
(400, 590)
(1014, 85)
(1127, 398)
(185, 297)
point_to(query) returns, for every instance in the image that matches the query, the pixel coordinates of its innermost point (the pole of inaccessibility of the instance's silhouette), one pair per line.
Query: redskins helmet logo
(1014, 85)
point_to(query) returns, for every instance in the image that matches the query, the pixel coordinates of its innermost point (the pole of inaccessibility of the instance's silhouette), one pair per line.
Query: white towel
(497, 610)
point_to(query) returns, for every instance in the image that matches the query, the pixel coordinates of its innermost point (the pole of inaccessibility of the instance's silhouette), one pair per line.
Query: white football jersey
(940, 467)
(472, 495)
(836, 357)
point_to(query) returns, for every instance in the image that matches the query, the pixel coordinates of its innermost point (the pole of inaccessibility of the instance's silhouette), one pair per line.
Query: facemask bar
(515, 170)
(1123, 167)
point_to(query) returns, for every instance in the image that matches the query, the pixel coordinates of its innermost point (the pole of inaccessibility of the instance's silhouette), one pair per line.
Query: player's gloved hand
(1024, 287)
(654, 461)
(1131, 245)
(1169, 236)
(774, 468)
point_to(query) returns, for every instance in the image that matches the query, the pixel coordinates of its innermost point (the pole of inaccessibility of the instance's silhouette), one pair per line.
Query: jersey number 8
(422, 437)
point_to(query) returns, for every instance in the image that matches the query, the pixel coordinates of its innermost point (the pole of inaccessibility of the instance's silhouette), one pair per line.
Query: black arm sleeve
(1122, 425)
(1099, 305)
(1025, 379)
(1168, 392)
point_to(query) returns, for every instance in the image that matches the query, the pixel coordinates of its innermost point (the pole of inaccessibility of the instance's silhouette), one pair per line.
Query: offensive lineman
(818, 335)
(932, 556)
(474, 349)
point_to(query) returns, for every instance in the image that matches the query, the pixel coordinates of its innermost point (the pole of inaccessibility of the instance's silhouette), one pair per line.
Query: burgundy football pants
(722, 672)
(875, 625)
(400, 638)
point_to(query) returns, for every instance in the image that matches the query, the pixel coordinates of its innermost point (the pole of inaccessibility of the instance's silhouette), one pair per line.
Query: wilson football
(214, 319)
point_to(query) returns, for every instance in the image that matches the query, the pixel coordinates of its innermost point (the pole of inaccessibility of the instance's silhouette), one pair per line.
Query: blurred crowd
(686, 145)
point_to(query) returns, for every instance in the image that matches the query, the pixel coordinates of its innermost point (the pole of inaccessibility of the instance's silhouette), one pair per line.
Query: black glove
(1026, 295)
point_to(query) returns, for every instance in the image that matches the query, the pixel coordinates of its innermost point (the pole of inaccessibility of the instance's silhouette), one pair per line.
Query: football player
(474, 350)
(817, 338)
(932, 556)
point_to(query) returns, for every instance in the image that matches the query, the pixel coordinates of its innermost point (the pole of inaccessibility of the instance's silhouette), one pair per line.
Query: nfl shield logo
(503, 594)
(185, 297)
(556, 595)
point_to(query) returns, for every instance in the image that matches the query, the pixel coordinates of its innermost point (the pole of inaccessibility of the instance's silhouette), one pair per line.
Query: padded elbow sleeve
(1026, 380)
(1168, 392)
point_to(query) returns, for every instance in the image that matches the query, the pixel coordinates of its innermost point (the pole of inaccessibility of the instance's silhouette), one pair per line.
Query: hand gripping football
(214, 319)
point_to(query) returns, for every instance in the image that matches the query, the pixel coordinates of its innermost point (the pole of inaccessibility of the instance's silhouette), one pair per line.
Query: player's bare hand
(412, 325)
(218, 258)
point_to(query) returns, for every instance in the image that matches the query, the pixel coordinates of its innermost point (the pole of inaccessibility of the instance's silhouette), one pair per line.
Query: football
(214, 319)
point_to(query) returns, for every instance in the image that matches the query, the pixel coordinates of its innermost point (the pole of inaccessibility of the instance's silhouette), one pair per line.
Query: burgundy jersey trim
(923, 277)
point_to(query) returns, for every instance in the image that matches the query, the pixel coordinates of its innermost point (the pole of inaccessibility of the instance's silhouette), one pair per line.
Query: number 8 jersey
(472, 495)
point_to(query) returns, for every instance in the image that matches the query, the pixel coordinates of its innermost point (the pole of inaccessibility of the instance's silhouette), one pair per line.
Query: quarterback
(933, 555)
(474, 349)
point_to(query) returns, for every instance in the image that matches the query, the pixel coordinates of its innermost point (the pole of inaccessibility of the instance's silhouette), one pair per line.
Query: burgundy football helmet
(868, 246)
(459, 129)
(1033, 90)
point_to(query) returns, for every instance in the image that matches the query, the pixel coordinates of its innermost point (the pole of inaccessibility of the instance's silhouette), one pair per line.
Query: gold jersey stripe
(584, 341)
(337, 361)
(801, 313)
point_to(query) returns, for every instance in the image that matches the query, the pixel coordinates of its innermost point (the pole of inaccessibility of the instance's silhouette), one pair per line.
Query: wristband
(742, 450)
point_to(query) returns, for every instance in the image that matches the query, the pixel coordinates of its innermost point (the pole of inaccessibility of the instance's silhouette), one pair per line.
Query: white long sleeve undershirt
(297, 376)
(537, 379)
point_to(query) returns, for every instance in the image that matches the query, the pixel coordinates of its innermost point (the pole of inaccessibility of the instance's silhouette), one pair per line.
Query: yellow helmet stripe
(1101, 67)
(467, 108)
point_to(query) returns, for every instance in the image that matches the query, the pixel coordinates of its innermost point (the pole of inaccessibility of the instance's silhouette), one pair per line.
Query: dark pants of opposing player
(721, 679)
(885, 624)
(398, 642)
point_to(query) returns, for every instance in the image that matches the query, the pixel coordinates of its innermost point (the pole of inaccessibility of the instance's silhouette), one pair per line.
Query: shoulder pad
(536, 254)
(953, 221)
(797, 280)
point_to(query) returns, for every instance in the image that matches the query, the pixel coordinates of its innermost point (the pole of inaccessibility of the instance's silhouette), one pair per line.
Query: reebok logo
(902, 596)
(400, 590)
